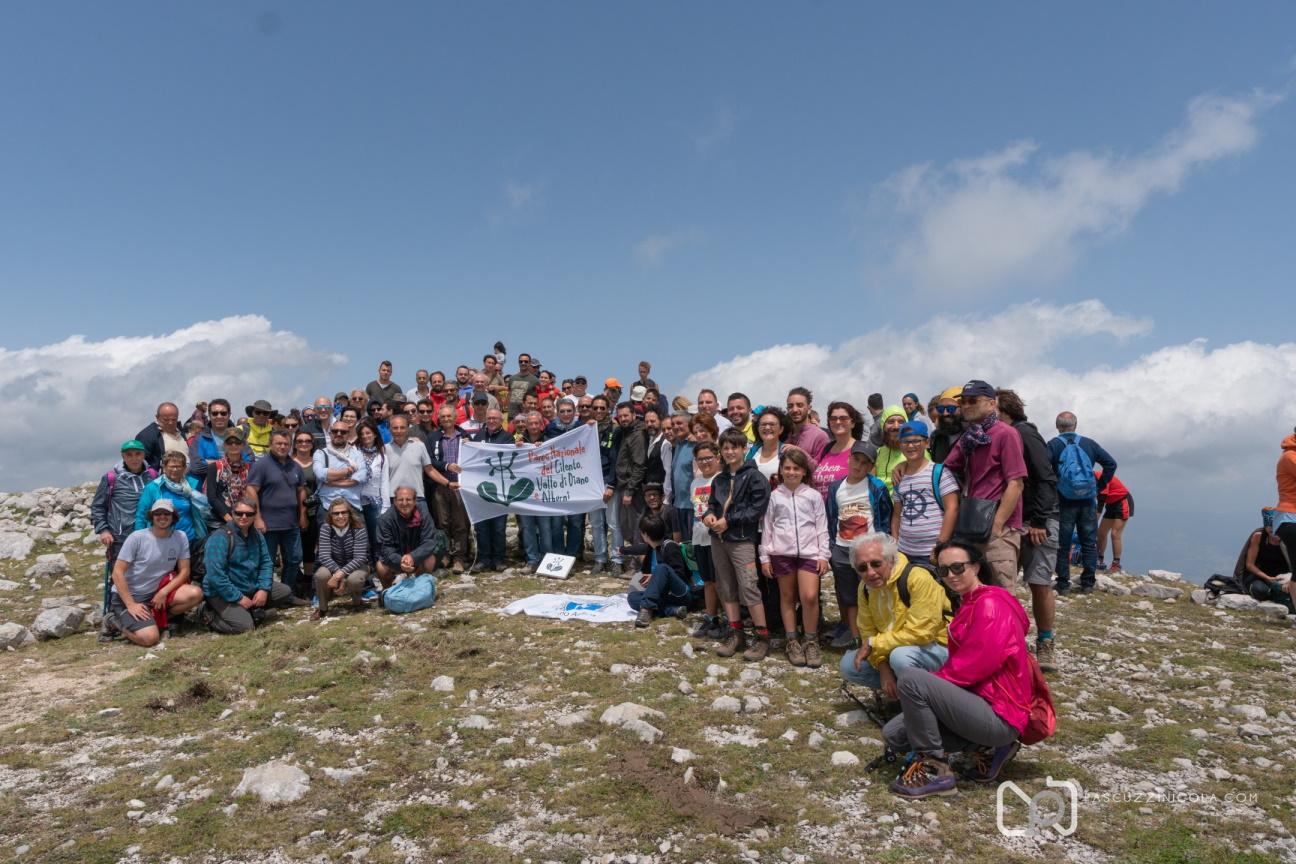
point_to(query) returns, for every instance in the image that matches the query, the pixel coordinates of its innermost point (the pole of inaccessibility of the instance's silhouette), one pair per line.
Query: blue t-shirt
(276, 485)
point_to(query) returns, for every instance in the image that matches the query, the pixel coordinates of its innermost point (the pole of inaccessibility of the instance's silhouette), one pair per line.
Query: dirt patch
(693, 801)
(196, 693)
(27, 691)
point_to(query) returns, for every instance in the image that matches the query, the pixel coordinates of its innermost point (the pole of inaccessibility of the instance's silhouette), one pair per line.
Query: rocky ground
(458, 734)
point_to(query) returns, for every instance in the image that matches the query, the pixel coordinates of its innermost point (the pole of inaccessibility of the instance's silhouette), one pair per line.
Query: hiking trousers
(940, 717)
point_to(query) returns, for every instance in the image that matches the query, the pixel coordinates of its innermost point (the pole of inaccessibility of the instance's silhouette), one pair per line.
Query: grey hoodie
(117, 516)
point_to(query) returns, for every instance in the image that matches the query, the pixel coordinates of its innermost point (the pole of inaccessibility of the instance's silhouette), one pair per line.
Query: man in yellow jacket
(895, 635)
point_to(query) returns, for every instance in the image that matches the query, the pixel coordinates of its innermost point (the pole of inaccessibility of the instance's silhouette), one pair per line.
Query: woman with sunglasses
(846, 426)
(979, 700)
(303, 453)
(343, 546)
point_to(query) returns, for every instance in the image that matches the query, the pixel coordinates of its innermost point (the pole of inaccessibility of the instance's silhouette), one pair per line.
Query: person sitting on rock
(979, 700)
(408, 540)
(238, 582)
(1261, 561)
(903, 613)
(662, 585)
(150, 580)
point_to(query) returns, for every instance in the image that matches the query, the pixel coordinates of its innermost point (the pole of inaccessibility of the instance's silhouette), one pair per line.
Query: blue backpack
(410, 595)
(1075, 475)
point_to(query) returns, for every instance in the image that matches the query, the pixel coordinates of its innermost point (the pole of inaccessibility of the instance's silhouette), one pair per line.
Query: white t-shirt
(700, 495)
(920, 512)
(854, 511)
(770, 468)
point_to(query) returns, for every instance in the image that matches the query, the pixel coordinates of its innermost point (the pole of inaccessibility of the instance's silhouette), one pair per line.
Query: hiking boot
(458, 567)
(844, 641)
(1087, 589)
(987, 762)
(926, 775)
(705, 629)
(108, 630)
(757, 650)
(1062, 588)
(795, 653)
(1102, 566)
(813, 658)
(734, 641)
(599, 567)
(644, 618)
(680, 612)
(886, 758)
(1115, 566)
(1045, 656)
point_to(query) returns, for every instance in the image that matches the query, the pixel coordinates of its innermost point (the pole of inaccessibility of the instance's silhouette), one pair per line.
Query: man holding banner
(557, 477)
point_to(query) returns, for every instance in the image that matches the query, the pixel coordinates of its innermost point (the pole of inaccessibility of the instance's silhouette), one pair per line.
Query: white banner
(559, 477)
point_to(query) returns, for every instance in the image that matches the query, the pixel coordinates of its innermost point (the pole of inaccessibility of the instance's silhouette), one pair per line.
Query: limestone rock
(1200, 596)
(14, 544)
(1108, 585)
(844, 759)
(443, 684)
(274, 782)
(619, 715)
(15, 636)
(851, 718)
(647, 732)
(1237, 601)
(1251, 712)
(49, 566)
(57, 623)
(1253, 730)
(1160, 592)
(574, 718)
(1165, 575)
(726, 703)
(475, 721)
(1276, 611)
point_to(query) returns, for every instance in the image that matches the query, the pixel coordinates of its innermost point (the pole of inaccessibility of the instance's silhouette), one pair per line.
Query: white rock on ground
(474, 721)
(14, 544)
(715, 670)
(749, 675)
(274, 782)
(57, 623)
(648, 733)
(1165, 575)
(1251, 712)
(1276, 611)
(6, 585)
(15, 636)
(851, 718)
(619, 715)
(844, 758)
(49, 566)
(443, 684)
(726, 703)
(815, 739)
(1253, 730)
(574, 718)
(1160, 592)
(1236, 601)
(1109, 585)
(1200, 596)
(753, 704)
(679, 755)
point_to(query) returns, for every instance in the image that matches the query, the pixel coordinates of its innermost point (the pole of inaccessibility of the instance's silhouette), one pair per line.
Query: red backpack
(1041, 719)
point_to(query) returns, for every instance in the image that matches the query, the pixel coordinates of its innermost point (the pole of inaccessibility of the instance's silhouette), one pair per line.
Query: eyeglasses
(600, 408)
(424, 410)
(218, 413)
(336, 513)
(913, 442)
(970, 400)
(865, 566)
(704, 458)
(841, 418)
(945, 409)
(956, 568)
(244, 514)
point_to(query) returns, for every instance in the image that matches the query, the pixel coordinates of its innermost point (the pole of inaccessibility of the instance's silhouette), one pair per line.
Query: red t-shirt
(991, 467)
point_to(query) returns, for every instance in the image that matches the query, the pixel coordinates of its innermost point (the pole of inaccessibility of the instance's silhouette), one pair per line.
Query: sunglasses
(338, 432)
(244, 514)
(260, 413)
(841, 419)
(956, 568)
(865, 566)
(291, 424)
(946, 409)
(218, 413)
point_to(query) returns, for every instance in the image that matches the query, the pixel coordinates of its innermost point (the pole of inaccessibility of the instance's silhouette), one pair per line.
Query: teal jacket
(233, 574)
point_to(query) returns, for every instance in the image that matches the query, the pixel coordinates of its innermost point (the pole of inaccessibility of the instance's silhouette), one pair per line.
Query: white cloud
(69, 405)
(1195, 427)
(1011, 217)
(653, 249)
(720, 128)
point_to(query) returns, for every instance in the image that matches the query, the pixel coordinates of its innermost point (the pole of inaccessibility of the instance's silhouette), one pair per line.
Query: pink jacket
(988, 655)
(795, 523)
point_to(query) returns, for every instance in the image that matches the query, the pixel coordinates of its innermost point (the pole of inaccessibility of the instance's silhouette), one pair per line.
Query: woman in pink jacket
(794, 550)
(979, 700)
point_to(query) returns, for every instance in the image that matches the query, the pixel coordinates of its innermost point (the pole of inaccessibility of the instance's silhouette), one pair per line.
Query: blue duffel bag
(409, 595)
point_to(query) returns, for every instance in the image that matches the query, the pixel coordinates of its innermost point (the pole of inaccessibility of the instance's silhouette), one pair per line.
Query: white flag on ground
(559, 477)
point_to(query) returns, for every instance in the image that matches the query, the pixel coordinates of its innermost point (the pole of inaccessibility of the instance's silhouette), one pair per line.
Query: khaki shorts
(1001, 553)
(735, 572)
(1039, 562)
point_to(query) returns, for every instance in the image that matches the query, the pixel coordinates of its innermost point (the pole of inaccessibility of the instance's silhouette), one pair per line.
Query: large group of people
(925, 515)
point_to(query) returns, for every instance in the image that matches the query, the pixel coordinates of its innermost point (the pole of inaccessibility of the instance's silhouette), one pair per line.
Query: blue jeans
(930, 657)
(598, 527)
(665, 591)
(537, 536)
(614, 524)
(371, 512)
(490, 541)
(288, 542)
(1083, 520)
(569, 534)
(685, 518)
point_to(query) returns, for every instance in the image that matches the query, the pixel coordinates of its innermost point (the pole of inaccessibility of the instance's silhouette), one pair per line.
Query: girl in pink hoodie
(794, 550)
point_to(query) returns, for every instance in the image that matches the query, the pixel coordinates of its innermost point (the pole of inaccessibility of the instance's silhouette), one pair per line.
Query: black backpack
(1218, 585)
(902, 588)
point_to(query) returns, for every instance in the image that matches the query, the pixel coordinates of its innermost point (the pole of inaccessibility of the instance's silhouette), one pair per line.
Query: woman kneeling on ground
(978, 701)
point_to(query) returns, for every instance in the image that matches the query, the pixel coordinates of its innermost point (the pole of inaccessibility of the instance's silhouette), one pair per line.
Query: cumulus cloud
(69, 405)
(1012, 216)
(653, 249)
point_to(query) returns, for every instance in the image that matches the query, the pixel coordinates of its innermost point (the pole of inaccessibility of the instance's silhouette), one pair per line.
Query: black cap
(978, 387)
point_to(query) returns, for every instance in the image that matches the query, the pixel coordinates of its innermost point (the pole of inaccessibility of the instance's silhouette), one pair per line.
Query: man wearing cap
(481, 403)
(278, 487)
(239, 581)
(151, 573)
(949, 423)
(256, 430)
(525, 379)
(991, 466)
(162, 436)
(112, 512)
(580, 386)
(209, 445)
(612, 390)
(638, 393)
(384, 389)
(340, 470)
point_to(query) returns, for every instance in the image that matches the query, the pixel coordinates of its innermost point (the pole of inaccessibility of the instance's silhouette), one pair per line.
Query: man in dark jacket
(491, 532)
(408, 540)
(1039, 547)
(631, 460)
(1078, 514)
(156, 436)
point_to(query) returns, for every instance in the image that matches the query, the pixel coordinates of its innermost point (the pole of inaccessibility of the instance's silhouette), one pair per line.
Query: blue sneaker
(925, 776)
(315, 602)
(369, 594)
(988, 762)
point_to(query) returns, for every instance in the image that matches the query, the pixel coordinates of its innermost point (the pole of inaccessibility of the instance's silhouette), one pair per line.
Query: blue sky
(600, 182)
